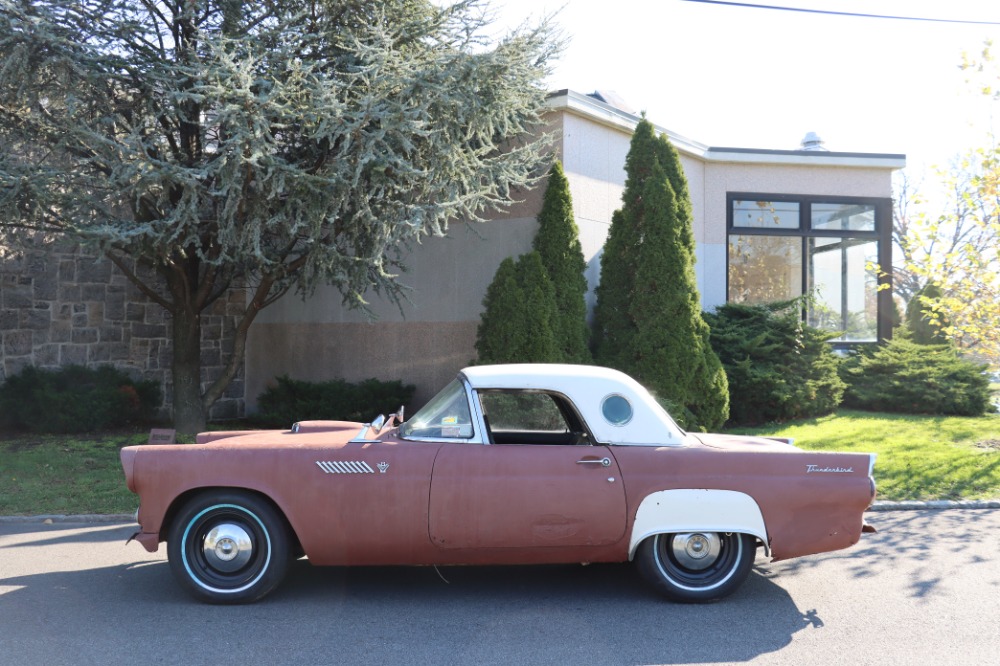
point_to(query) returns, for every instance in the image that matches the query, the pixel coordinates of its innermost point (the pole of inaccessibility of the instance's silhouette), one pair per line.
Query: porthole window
(617, 410)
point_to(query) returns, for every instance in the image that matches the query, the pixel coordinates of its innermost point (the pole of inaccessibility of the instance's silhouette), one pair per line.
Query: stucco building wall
(62, 305)
(433, 336)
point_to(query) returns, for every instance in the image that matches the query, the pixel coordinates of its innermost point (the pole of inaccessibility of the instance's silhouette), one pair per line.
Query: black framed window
(782, 246)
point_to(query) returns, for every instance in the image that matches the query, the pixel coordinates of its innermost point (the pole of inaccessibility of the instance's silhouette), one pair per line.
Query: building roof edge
(594, 109)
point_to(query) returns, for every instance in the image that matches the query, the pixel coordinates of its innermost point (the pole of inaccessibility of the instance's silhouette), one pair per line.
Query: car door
(538, 483)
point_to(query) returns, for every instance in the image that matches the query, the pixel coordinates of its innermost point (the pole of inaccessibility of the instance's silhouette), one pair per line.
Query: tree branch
(142, 286)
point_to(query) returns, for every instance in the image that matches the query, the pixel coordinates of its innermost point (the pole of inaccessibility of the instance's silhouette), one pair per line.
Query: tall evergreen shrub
(778, 367)
(558, 245)
(648, 316)
(519, 310)
(923, 329)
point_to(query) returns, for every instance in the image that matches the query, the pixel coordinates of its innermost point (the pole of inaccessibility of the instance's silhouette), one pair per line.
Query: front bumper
(149, 541)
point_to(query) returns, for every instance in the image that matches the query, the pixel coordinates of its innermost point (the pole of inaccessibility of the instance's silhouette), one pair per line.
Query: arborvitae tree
(924, 329)
(648, 312)
(518, 314)
(558, 244)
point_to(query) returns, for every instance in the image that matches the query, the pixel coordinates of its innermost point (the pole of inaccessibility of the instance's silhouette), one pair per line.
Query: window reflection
(764, 269)
(845, 287)
(766, 214)
(842, 217)
(779, 250)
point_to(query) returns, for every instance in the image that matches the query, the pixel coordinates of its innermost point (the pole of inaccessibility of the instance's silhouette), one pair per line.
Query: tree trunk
(190, 416)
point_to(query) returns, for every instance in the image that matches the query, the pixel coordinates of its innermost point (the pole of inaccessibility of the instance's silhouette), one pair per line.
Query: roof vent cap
(811, 141)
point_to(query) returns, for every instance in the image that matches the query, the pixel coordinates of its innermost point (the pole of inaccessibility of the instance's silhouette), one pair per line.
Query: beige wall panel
(448, 277)
(594, 162)
(694, 171)
(780, 179)
(593, 229)
(427, 354)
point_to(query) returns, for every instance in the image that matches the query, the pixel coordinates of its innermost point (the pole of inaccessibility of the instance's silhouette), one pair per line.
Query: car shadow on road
(602, 613)
(906, 539)
(599, 614)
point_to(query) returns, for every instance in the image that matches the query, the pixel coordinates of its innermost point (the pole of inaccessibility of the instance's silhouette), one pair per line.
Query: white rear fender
(702, 510)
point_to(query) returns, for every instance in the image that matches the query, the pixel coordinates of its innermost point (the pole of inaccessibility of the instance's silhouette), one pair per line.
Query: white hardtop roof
(587, 386)
(549, 376)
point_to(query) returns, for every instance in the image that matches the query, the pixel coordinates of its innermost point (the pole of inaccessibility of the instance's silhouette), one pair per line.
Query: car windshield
(445, 416)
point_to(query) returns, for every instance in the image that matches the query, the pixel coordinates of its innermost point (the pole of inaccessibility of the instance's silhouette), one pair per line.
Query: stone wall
(62, 306)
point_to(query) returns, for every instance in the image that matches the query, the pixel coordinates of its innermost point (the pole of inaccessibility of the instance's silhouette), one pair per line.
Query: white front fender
(697, 510)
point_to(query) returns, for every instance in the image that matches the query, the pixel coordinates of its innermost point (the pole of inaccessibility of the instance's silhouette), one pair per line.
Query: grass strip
(920, 457)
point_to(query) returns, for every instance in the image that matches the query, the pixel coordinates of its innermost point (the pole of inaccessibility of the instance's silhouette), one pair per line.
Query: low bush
(291, 400)
(779, 368)
(903, 376)
(76, 399)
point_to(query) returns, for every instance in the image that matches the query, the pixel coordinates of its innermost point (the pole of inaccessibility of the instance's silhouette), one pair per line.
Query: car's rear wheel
(696, 567)
(228, 547)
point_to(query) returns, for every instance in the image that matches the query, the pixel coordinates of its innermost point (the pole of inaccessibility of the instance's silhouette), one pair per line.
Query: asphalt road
(925, 590)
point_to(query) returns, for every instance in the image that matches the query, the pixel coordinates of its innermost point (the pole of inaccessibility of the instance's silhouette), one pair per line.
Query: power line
(833, 13)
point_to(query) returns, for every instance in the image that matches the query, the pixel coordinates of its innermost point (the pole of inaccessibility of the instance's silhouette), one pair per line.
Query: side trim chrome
(345, 467)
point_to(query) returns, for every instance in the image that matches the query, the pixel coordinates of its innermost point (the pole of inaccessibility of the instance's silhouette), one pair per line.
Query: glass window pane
(764, 269)
(508, 410)
(843, 217)
(617, 410)
(445, 416)
(844, 288)
(766, 214)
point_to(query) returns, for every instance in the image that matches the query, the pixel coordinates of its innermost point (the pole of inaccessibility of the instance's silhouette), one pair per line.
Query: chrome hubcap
(227, 547)
(696, 550)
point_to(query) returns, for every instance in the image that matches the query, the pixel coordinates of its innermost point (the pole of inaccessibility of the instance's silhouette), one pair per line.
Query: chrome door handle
(603, 462)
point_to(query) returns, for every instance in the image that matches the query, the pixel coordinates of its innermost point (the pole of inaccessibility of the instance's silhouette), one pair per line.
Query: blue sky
(757, 78)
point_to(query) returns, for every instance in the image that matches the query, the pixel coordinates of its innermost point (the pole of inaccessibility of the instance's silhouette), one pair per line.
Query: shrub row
(904, 376)
(780, 369)
(76, 399)
(290, 400)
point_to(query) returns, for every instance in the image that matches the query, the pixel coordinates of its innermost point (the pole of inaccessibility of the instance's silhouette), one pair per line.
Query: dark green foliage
(558, 244)
(518, 314)
(203, 144)
(76, 399)
(778, 367)
(648, 320)
(292, 400)
(923, 329)
(612, 326)
(903, 376)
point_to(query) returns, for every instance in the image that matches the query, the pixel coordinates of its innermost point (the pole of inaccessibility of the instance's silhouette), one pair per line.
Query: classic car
(508, 464)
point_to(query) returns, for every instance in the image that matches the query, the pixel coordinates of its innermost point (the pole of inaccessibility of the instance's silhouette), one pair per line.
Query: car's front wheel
(228, 547)
(696, 567)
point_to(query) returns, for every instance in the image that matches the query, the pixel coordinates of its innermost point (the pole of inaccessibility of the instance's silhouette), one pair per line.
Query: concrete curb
(930, 505)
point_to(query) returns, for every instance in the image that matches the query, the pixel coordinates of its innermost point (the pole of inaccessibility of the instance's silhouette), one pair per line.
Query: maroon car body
(521, 464)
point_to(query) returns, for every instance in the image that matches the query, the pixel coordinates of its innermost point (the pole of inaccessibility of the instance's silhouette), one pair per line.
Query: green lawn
(65, 474)
(920, 458)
